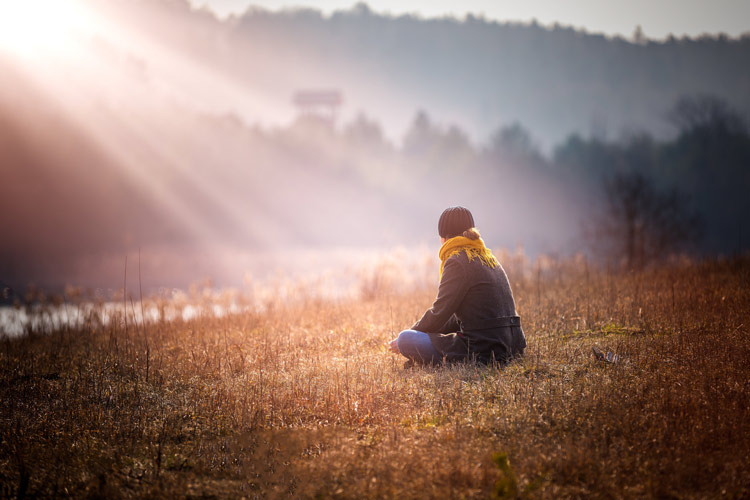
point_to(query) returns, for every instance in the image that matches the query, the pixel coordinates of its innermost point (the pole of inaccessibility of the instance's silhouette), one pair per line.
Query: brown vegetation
(303, 400)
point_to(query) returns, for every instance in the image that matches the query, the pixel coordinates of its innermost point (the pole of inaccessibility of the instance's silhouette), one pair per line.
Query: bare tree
(706, 112)
(640, 224)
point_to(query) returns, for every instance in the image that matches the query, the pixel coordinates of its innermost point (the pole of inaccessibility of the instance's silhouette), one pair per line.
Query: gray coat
(474, 315)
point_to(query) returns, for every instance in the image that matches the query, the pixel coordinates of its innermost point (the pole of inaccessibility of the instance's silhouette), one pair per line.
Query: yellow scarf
(473, 248)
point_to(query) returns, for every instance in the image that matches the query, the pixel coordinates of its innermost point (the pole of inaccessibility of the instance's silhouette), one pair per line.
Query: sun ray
(130, 115)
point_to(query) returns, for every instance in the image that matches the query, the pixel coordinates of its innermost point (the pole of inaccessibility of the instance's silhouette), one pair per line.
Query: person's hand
(393, 346)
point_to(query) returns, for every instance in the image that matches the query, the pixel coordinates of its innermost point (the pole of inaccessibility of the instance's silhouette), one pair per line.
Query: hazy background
(158, 126)
(614, 17)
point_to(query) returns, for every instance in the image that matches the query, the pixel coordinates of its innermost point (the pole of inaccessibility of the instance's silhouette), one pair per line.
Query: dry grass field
(300, 399)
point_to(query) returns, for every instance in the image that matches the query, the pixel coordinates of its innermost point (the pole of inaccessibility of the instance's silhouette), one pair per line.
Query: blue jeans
(418, 347)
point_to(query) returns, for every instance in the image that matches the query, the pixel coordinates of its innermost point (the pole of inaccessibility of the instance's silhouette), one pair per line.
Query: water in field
(292, 277)
(16, 321)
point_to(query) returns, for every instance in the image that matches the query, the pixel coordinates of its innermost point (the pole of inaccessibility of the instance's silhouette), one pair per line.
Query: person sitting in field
(474, 315)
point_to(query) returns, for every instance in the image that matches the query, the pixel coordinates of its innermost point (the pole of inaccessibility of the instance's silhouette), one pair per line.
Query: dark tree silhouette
(710, 160)
(704, 112)
(641, 224)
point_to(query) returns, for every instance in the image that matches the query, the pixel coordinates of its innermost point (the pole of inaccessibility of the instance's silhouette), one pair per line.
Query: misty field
(300, 398)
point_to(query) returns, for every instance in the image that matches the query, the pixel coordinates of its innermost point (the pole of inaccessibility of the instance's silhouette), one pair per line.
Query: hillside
(473, 72)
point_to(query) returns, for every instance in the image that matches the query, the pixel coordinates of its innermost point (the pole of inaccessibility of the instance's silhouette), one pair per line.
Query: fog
(159, 133)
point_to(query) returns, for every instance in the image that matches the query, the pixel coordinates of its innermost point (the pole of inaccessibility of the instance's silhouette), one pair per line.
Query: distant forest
(474, 72)
(141, 169)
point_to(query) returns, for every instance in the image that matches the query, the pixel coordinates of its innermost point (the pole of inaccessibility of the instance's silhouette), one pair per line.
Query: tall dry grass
(301, 399)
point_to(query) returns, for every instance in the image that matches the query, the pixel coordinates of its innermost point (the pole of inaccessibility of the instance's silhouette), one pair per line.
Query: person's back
(474, 315)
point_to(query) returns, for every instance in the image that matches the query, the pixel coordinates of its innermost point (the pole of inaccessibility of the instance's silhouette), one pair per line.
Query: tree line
(646, 198)
(555, 79)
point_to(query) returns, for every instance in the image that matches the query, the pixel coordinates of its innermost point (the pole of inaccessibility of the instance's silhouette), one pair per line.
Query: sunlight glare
(32, 27)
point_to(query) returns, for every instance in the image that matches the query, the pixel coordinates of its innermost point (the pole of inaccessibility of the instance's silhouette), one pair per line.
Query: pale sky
(657, 18)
